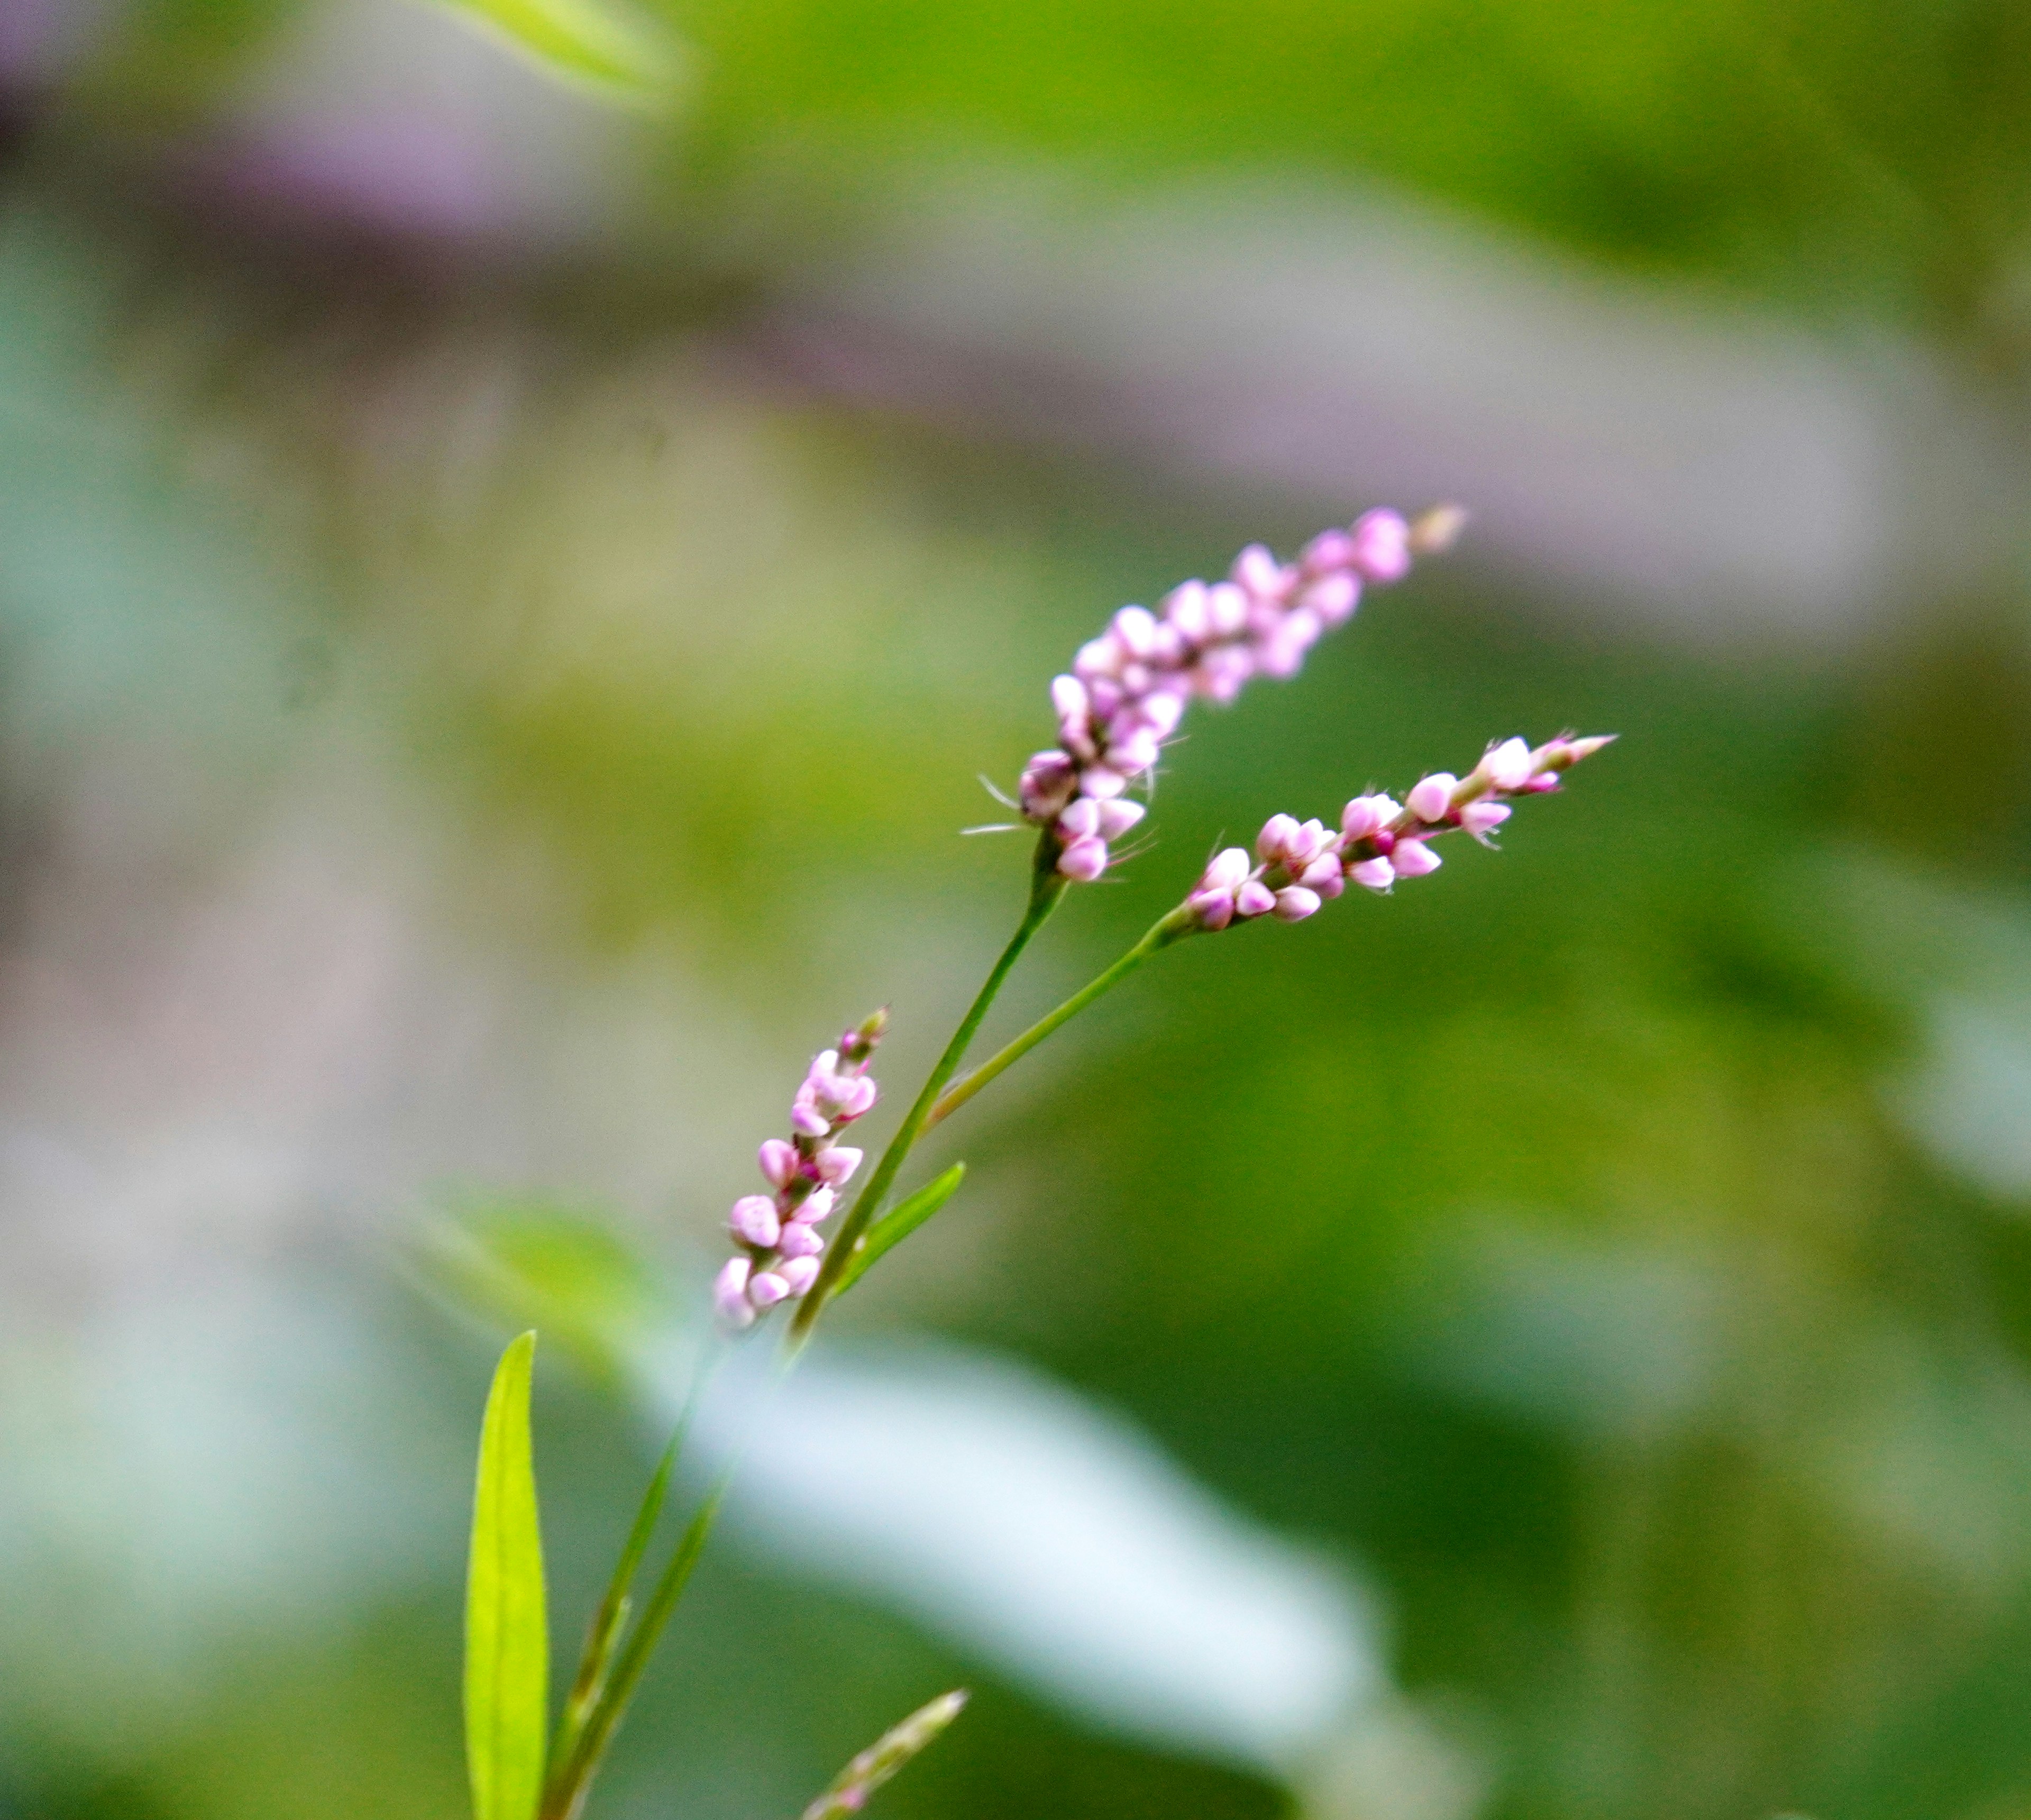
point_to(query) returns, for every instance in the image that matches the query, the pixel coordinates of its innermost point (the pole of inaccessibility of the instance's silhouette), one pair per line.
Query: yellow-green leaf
(507, 1638)
(586, 39)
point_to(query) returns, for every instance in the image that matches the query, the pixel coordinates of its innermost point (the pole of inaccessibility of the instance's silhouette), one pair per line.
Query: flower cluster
(1128, 688)
(1296, 866)
(778, 1234)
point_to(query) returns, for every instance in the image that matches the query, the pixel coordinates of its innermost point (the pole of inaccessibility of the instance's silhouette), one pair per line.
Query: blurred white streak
(1718, 470)
(1016, 1519)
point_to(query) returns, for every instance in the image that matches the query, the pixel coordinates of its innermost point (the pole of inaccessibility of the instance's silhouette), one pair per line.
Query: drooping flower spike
(1128, 688)
(780, 1245)
(1296, 866)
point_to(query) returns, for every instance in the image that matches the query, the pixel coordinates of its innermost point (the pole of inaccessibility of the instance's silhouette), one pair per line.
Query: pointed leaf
(507, 1641)
(881, 1759)
(898, 1224)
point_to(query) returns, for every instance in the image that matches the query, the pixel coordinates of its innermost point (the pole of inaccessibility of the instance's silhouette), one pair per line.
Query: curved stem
(1047, 884)
(1175, 927)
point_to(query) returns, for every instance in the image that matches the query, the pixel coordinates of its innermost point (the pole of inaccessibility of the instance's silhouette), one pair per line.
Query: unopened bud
(1084, 861)
(1377, 874)
(1435, 529)
(780, 1162)
(1431, 799)
(1413, 860)
(754, 1222)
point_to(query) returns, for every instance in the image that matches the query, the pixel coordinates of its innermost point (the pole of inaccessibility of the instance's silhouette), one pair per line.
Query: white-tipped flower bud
(800, 1240)
(1294, 903)
(1118, 817)
(1508, 766)
(766, 1288)
(1431, 799)
(798, 1274)
(836, 1165)
(779, 1161)
(1084, 861)
(1377, 874)
(1367, 815)
(1413, 860)
(1255, 899)
(816, 1205)
(754, 1222)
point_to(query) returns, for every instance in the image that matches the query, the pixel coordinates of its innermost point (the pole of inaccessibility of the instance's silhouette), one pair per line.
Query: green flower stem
(1175, 927)
(1047, 886)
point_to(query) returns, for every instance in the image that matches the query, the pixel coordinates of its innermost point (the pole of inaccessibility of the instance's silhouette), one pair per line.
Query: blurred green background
(507, 580)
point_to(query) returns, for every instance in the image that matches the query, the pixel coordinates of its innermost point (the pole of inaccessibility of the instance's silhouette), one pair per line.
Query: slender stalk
(1174, 927)
(1046, 886)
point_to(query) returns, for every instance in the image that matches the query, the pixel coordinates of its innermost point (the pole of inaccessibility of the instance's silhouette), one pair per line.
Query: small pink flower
(797, 1274)
(800, 1240)
(754, 1222)
(1482, 819)
(1214, 909)
(814, 1207)
(781, 1164)
(1381, 546)
(1048, 783)
(1294, 903)
(1377, 874)
(1103, 782)
(1255, 899)
(1431, 798)
(836, 1165)
(1506, 767)
(806, 1119)
(1083, 861)
(1413, 860)
(1333, 597)
(1117, 817)
(1366, 816)
(766, 1288)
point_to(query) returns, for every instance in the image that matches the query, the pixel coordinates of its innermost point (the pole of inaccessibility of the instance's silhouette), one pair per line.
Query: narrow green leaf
(897, 1224)
(881, 1760)
(507, 1641)
(585, 39)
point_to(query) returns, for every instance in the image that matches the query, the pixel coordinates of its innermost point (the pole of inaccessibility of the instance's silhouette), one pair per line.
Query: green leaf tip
(586, 41)
(898, 1224)
(507, 1638)
(890, 1752)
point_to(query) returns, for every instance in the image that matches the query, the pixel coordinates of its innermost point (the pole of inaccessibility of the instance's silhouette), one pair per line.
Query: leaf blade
(507, 1638)
(897, 1224)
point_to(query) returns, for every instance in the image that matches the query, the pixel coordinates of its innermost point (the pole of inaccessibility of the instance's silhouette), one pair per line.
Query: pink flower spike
(766, 1288)
(798, 1274)
(1431, 798)
(1214, 909)
(1381, 546)
(836, 1165)
(755, 1221)
(729, 1293)
(1506, 766)
(1377, 874)
(1367, 815)
(1294, 903)
(1253, 899)
(1083, 861)
(1118, 817)
(780, 1162)
(1413, 860)
(800, 1240)
(1482, 819)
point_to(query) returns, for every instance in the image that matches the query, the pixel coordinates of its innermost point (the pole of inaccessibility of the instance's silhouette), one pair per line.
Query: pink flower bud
(1227, 606)
(1221, 673)
(837, 1164)
(860, 1100)
(816, 1205)
(1139, 752)
(1103, 782)
(1278, 839)
(1506, 766)
(1137, 630)
(1084, 861)
(1366, 815)
(1162, 709)
(1333, 597)
(1226, 871)
(1381, 545)
(1069, 698)
(780, 1162)
(1098, 657)
(1257, 572)
(1540, 783)
(800, 1239)
(1187, 608)
(806, 1119)
(798, 1274)
(754, 1222)
(1413, 860)
(1437, 528)
(1323, 874)
(1294, 903)
(1481, 819)
(1377, 874)
(1214, 909)
(1431, 799)
(1253, 899)
(1118, 817)
(1329, 551)
(729, 1293)
(766, 1288)
(1048, 783)
(1080, 822)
